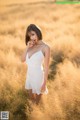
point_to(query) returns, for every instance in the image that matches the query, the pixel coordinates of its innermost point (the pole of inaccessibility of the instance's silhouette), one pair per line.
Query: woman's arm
(46, 65)
(46, 62)
(23, 57)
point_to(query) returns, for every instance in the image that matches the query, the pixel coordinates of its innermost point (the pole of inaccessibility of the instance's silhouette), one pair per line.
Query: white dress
(35, 73)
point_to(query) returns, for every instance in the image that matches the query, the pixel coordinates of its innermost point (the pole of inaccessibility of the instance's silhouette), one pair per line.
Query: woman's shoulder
(45, 45)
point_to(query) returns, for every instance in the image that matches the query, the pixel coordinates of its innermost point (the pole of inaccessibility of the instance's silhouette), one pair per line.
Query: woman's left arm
(46, 65)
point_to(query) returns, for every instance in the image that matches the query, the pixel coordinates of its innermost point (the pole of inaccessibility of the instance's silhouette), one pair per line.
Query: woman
(36, 55)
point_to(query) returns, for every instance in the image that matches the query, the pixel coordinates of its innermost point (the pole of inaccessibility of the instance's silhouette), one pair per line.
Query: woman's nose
(32, 40)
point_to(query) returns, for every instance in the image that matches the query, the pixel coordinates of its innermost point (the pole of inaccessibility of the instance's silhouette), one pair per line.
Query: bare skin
(34, 97)
(35, 45)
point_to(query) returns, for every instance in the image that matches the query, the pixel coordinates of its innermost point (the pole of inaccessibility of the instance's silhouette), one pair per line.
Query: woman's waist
(35, 68)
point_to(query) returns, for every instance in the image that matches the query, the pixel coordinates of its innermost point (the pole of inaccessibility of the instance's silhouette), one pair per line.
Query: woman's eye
(32, 34)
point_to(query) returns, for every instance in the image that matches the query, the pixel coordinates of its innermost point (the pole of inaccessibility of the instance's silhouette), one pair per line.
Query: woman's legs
(38, 98)
(31, 95)
(34, 97)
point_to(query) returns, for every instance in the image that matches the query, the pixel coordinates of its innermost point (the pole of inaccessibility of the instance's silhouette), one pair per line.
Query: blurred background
(60, 25)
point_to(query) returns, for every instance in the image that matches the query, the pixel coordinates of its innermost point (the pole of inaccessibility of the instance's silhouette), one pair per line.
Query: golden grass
(60, 28)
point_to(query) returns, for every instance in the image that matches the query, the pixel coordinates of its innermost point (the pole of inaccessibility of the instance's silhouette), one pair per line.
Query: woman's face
(33, 37)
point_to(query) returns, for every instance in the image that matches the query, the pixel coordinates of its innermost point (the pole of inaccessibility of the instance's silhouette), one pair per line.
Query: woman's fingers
(30, 44)
(43, 88)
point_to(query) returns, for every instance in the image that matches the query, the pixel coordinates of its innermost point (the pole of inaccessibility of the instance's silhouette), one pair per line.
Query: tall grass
(60, 28)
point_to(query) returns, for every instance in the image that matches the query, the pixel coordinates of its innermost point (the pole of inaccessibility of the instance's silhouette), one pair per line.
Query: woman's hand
(43, 87)
(30, 44)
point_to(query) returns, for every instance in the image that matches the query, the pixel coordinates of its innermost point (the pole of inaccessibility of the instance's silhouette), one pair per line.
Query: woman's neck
(39, 42)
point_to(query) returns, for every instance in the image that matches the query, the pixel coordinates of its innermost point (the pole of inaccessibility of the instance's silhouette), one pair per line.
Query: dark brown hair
(36, 29)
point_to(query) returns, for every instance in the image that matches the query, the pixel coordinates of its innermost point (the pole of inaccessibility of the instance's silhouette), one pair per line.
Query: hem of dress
(45, 92)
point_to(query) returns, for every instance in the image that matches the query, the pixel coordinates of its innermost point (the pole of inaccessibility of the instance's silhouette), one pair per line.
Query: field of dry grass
(60, 26)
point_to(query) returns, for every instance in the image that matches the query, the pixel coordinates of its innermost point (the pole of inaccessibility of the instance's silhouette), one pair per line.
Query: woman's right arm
(23, 56)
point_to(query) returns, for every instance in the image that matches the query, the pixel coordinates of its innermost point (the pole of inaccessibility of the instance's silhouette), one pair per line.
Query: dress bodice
(35, 73)
(35, 60)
